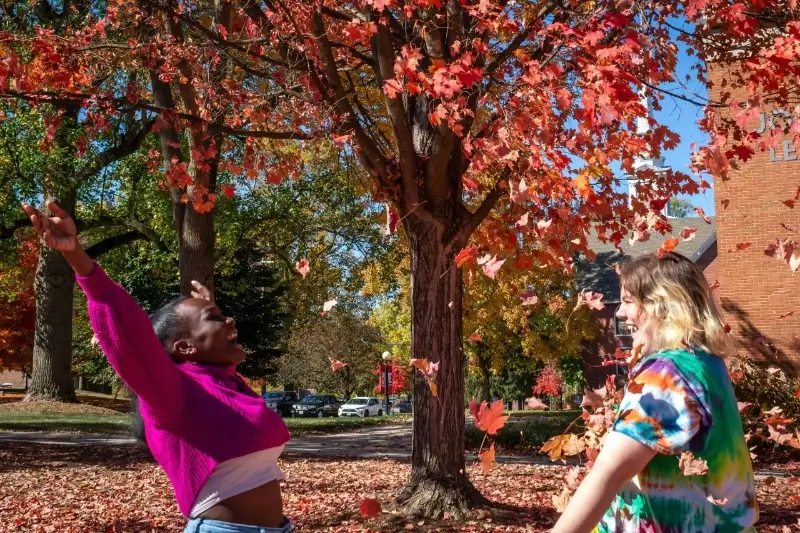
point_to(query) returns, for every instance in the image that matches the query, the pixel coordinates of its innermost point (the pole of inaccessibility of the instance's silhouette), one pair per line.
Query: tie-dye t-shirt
(676, 402)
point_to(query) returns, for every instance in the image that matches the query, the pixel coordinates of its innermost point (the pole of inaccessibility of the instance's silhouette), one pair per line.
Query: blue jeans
(204, 525)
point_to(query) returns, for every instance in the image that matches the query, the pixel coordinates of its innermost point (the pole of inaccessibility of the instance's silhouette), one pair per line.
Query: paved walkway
(377, 442)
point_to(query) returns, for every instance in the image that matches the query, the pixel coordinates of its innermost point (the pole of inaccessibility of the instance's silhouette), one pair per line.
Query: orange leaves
(488, 418)
(487, 459)
(668, 246)
(466, 255)
(560, 447)
(429, 371)
(692, 466)
(687, 234)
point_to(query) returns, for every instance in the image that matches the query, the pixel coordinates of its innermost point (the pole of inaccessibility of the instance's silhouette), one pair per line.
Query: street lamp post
(386, 357)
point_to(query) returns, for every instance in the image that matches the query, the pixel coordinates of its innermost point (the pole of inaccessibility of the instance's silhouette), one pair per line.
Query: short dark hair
(166, 323)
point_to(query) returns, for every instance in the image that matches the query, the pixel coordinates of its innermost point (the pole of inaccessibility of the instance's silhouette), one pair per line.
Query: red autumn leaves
(489, 419)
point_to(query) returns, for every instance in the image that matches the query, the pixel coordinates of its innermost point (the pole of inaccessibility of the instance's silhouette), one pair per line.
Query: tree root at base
(428, 497)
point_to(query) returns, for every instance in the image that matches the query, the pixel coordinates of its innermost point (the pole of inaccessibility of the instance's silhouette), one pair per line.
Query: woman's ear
(183, 350)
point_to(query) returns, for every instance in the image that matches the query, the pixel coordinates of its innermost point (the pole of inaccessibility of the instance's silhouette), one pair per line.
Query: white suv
(361, 406)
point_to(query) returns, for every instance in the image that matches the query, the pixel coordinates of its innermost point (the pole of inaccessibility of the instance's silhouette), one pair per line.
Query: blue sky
(681, 117)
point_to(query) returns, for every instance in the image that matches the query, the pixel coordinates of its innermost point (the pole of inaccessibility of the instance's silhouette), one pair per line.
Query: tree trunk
(486, 378)
(438, 483)
(52, 346)
(196, 258)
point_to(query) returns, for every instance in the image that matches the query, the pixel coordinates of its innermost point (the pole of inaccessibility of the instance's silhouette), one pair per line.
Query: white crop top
(236, 476)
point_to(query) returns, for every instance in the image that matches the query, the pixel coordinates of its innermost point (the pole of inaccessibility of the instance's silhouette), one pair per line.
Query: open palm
(59, 231)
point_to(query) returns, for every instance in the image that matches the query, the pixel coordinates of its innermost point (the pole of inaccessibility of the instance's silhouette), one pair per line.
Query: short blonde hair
(674, 291)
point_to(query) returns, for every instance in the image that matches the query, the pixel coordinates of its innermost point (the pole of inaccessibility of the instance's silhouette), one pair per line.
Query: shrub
(529, 431)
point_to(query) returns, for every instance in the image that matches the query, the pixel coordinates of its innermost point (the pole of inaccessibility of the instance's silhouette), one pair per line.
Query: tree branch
(8, 231)
(109, 243)
(475, 219)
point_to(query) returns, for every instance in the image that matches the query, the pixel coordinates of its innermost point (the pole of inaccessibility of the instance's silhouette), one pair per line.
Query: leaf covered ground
(119, 489)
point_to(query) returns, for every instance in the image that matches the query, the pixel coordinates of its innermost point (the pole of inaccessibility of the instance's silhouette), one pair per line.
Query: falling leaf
(743, 406)
(487, 460)
(490, 418)
(692, 466)
(592, 300)
(370, 507)
(475, 337)
(687, 234)
(714, 286)
(667, 246)
(492, 266)
(702, 215)
(742, 246)
(773, 370)
(572, 478)
(466, 255)
(726, 329)
(535, 404)
(336, 365)
(434, 389)
(789, 203)
(574, 446)
(561, 501)
(303, 266)
(555, 447)
(392, 218)
(327, 306)
(785, 315)
(529, 298)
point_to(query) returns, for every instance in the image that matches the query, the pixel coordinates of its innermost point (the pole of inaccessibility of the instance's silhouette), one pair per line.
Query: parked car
(280, 401)
(319, 405)
(362, 406)
(403, 406)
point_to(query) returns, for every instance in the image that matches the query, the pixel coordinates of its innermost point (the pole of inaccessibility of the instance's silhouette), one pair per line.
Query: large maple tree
(454, 108)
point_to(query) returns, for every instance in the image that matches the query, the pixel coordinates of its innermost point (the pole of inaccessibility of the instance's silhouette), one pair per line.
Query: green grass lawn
(117, 423)
(111, 424)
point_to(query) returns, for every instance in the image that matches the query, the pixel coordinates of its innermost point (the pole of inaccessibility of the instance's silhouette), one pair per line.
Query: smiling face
(208, 337)
(635, 316)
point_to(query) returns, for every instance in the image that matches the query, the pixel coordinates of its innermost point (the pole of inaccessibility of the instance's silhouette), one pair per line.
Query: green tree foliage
(340, 336)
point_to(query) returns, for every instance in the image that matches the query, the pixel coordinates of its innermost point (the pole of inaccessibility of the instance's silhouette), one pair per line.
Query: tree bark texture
(438, 482)
(52, 346)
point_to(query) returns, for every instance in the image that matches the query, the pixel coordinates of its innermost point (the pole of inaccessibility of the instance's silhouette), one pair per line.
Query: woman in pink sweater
(215, 438)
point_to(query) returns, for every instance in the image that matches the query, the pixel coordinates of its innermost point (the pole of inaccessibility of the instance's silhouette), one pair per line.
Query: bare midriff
(261, 506)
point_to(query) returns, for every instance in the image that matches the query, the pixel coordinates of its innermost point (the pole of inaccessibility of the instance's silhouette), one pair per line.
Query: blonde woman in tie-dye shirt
(679, 399)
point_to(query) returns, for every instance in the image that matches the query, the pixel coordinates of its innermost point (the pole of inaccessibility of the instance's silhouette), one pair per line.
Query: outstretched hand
(201, 291)
(58, 232)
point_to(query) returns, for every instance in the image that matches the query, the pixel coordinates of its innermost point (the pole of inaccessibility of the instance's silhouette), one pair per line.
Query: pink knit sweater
(195, 416)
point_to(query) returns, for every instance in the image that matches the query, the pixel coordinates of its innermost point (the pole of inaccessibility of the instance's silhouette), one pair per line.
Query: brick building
(757, 292)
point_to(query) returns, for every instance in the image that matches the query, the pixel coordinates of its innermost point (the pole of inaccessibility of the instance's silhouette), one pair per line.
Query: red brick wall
(755, 290)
